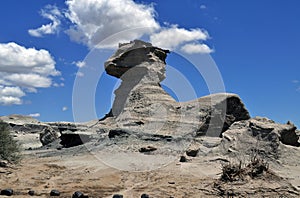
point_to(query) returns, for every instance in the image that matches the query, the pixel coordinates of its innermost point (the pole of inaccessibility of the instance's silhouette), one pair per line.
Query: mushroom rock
(142, 104)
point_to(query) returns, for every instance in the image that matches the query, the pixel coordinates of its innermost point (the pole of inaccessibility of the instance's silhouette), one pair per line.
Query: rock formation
(143, 110)
(141, 103)
(261, 135)
(34, 134)
(147, 129)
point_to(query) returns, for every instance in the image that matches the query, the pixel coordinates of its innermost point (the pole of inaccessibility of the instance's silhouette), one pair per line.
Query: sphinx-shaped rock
(141, 104)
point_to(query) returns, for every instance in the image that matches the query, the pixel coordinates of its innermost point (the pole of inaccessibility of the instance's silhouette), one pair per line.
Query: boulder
(7, 192)
(49, 135)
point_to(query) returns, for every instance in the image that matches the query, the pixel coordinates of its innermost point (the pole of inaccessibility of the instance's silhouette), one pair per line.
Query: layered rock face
(141, 67)
(32, 133)
(141, 103)
(262, 137)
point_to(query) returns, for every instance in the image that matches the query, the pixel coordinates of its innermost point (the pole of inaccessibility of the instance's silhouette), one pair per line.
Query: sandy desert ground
(86, 173)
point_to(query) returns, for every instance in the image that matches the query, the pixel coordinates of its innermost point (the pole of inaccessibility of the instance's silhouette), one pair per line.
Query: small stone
(145, 196)
(118, 196)
(192, 152)
(54, 193)
(3, 163)
(147, 149)
(31, 192)
(183, 159)
(78, 194)
(7, 192)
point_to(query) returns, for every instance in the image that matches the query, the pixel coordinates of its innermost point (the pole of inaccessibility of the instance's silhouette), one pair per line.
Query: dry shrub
(232, 171)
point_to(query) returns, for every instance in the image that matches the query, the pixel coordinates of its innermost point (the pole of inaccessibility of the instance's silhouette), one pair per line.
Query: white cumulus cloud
(64, 108)
(10, 95)
(18, 59)
(170, 38)
(28, 80)
(52, 13)
(117, 21)
(23, 70)
(10, 100)
(94, 20)
(11, 91)
(193, 48)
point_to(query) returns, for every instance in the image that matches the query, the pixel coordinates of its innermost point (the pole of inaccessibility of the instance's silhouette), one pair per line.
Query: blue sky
(43, 44)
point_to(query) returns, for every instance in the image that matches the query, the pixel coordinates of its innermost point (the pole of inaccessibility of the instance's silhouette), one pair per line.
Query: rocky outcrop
(23, 124)
(141, 104)
(259, 136)
(32, 133)
(268, 129)
(141, 67)
(48, 135)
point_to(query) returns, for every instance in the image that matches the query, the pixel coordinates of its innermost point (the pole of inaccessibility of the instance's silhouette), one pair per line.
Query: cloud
(18, 59)
(52, 13)
(202, 7)
(93, 20)
(296, 82)
(170, 38)
(196, 48)
(58, 84)
(11, 91)
(79, 74)
(79, 64)
(10, 100)
(10, 95)
(117, 21)
(28, 80)
(23, 70)
(64, 108)
(34, 115)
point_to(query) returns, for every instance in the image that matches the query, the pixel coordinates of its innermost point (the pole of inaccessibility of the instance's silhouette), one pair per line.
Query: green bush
(9, 148)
